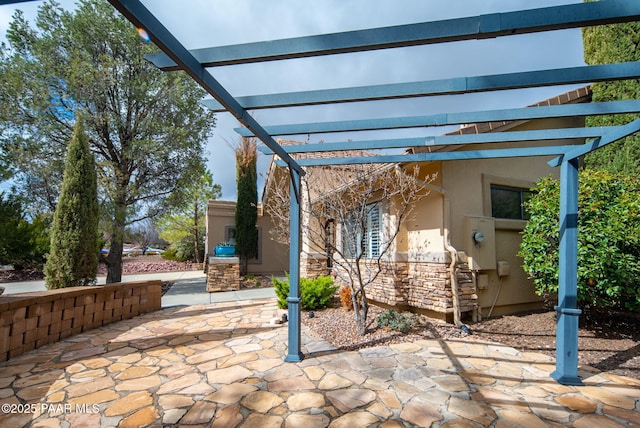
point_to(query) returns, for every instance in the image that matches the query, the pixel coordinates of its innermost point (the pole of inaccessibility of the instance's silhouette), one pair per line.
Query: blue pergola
(195, 63)
(176, 57)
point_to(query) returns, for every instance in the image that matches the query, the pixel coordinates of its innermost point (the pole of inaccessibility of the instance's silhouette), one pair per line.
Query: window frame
(523, 195)
(229, 236)
(487, 181)
(372, 232)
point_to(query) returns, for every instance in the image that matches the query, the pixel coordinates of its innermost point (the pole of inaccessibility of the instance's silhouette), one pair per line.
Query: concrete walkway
(189, 288)
(221, 365)
(193, 291)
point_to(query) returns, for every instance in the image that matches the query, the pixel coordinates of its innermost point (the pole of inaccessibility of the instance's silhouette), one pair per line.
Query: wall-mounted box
(483, 281)
(480, 242)
(504, 268)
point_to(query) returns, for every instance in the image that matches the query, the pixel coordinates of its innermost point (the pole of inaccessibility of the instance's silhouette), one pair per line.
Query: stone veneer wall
(430, 287)
(223, 274)
(313, 265)
(423, 285)
(31, 320)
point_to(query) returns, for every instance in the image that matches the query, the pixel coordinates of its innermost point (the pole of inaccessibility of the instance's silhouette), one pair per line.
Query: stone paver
(222, 365)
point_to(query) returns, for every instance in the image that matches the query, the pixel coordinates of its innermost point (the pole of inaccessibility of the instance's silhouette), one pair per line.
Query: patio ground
(221, 365)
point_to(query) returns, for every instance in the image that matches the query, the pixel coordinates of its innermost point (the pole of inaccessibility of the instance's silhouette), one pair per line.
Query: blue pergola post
(294, 355)
(568, 314)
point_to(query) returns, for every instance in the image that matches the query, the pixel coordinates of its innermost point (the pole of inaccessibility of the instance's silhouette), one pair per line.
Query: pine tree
(247, 205)
(146, 129)
(73, 257)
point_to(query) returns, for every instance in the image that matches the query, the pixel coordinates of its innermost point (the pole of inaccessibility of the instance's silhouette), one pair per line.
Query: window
(230, 237)
(508, 202)
(363, 233)
(329, 240)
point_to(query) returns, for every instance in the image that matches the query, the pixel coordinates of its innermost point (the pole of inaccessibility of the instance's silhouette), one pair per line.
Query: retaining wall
(31, 320)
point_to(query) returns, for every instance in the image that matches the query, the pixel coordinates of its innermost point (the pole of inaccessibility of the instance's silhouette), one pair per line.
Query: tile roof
(575, 96)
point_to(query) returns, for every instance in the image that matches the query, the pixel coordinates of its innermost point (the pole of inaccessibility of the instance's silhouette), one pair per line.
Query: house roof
(572, 97)
(339, 169)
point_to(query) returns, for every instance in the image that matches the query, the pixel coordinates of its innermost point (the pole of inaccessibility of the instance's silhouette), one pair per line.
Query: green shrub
(395, 320)
(282, 291)
(22, 244)
(317, 293)
(314, 293)
(183, 250)
(608, 239)
(73, 252)
(170, 254)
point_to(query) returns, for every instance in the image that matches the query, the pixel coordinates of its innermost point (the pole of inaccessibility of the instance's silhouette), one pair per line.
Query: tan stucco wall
(422, 232)
(274, 257)
(468, 183)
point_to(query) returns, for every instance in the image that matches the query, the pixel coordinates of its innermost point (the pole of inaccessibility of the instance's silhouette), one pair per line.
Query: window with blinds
(363, 234)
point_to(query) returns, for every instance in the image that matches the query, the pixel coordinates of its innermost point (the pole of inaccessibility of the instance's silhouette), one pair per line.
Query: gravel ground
(130, 265)
(608, 341)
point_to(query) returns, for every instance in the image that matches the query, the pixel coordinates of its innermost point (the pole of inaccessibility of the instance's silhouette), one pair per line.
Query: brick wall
(430, 287)
(31, 320)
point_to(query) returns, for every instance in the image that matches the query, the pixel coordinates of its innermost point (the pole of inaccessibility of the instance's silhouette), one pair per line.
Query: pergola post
(568, 314)
(294, 355)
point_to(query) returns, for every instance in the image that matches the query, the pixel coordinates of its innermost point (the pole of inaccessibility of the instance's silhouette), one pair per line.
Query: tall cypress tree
(73, 257)
(247, 205)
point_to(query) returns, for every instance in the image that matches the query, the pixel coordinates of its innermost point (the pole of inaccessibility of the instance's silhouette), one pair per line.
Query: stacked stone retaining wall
(31, 320)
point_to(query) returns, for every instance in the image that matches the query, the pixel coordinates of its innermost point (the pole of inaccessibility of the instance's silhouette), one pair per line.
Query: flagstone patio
(221, 365)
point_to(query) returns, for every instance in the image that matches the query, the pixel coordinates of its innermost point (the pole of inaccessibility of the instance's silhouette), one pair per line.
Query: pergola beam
(5, 2)
(453, 86)
(450, 30)
(441, 119)
(610, 136)
(447, 140)
(437, 156)
(140, 16)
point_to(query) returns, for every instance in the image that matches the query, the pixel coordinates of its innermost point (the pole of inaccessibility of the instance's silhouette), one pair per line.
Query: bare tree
(144, 234)
(351, 215)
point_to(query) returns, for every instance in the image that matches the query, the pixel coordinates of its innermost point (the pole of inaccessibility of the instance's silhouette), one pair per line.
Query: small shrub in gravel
(345, 298)
(314, 293)
(395, 320)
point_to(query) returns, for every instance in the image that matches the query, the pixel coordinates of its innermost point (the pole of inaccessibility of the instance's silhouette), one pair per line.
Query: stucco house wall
(434, 248)
(273, 258)
(470, 181)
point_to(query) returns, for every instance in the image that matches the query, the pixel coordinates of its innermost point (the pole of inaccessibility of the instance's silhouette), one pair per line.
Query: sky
(206, 23)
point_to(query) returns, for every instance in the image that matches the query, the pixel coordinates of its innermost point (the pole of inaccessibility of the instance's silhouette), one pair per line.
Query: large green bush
(608, 239)
(184, 250)
(23, 244)
(314, 293)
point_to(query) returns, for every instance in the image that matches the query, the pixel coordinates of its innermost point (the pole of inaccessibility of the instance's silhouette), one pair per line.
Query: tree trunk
(114, 260)
(244, 265)
(360, 309)
(196, 235)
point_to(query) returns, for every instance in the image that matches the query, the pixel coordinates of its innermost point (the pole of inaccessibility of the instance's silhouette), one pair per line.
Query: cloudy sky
(205, 23)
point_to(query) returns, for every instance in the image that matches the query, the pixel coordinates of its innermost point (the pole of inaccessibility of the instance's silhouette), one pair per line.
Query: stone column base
(223, 274)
